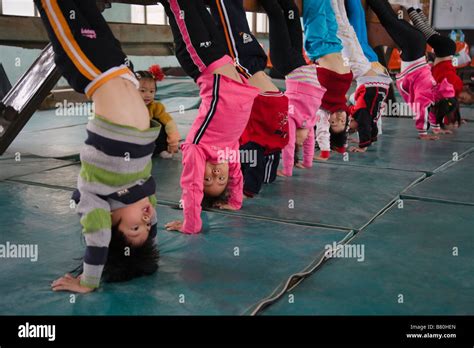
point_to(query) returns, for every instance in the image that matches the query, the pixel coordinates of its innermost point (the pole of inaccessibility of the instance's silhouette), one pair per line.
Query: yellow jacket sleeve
(158, 112)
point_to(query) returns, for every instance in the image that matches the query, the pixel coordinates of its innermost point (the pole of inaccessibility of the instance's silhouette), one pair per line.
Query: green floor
(410, 267)
(418, 251)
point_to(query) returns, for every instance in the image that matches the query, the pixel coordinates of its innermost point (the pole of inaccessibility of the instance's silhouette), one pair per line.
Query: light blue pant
(356, 15)
(320, 29)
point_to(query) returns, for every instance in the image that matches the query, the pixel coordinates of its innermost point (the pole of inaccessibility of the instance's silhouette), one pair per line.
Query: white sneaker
(166, 155)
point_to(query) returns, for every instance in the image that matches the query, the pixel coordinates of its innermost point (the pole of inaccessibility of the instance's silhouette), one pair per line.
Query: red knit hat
(337, 86)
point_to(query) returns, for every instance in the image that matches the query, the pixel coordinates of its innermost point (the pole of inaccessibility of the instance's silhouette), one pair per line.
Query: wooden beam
(136, 39)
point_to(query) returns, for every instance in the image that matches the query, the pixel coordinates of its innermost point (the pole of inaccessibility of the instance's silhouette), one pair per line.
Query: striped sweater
(116, 171)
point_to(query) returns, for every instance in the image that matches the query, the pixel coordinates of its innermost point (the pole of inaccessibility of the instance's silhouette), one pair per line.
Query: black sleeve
(242, 45)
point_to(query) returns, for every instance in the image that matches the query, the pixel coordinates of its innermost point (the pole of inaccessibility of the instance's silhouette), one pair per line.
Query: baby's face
(337, 121)
(216, 177)
(147, 90)
(301, 136)
(135, 221)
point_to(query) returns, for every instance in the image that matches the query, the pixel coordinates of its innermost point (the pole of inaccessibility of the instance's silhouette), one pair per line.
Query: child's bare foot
(300, 165)
(442, 131)
(357, 149)
(280, 173)
(428, 137)
(224, 206)
(319, 158)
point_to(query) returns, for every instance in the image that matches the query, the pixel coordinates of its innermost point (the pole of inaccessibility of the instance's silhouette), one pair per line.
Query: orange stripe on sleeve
(103, 79)
(226, 31)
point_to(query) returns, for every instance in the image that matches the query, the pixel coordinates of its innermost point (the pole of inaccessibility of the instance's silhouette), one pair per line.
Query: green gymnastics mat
(55, 119)
(18, 164)
(227, 269)
(453, 185)
(49, 135)
(178, 104)
(405, 153)
(358, 192)
(177, 87)
(329, 195)
(404, 128)
(411, 267)
(467, 112)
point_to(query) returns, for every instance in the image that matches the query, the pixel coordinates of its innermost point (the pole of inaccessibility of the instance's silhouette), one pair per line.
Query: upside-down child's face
(135, 221)
(216, 177)
(147, 90)
(301, 136)
(337, 121)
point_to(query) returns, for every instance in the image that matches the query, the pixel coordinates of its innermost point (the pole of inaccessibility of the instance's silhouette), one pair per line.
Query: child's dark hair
(209, 202)
(142, 74)
(125, 261)
(154, 73)
(447, 107)
(339, 139)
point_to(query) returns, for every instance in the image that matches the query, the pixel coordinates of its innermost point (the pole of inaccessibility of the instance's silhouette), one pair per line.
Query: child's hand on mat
(357, 149)
(300, 165)
(224, 206)
(280, 173)
(174, 225)
(428, 137)
(173, 142)
(69, 283)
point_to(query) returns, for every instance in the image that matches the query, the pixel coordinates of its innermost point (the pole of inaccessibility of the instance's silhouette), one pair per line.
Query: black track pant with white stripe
(241, 45)
(86, 51)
